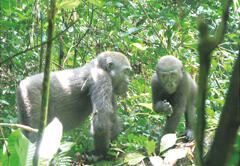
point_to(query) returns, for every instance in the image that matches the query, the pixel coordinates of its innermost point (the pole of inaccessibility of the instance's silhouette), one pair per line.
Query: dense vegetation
(144, 30)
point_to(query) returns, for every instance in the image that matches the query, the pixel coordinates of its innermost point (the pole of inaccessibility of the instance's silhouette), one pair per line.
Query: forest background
(144, 30)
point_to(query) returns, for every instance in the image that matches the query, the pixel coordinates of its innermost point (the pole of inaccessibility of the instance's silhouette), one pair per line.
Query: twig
(58, 65)
(20, 126)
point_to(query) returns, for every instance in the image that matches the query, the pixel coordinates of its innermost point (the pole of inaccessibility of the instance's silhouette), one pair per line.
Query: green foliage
(150, 147)
(61, 157)
(19, 151)
(235, 159)
(69, 4)
(144, 31)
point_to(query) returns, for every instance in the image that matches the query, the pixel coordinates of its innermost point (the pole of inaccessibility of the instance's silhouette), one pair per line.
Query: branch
(223, 25)
(24, 127)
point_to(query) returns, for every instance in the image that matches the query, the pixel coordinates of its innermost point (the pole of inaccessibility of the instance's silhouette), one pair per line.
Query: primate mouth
(122, 89)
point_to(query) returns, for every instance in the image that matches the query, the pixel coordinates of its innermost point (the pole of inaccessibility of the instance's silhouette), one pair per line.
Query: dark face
(170, 79)
(120, 74)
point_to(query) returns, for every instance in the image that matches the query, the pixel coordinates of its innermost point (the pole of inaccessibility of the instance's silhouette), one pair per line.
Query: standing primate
(174, 92)
(77, 93)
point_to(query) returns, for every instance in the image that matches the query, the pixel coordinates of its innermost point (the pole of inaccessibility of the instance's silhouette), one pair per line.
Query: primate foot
(92, 157)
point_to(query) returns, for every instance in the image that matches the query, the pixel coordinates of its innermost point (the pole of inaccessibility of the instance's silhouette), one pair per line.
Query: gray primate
(77, 93)
(174, 92)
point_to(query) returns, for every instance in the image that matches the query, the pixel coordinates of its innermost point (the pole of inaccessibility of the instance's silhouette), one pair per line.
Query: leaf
(156, 160)
(150, 146)
(122, 34)
(69, 4)
(118, 4)
(134, 5)
(134, 158)
(97, 2)
(210, 112)
(66, 146)
(4, 102)
(156, 116)
(50, 141)
(146, 105)
(193, 46)
(139, 46)
(168, 141)
(173, 155)
(133, 29)
(23, 147)
(20, 148)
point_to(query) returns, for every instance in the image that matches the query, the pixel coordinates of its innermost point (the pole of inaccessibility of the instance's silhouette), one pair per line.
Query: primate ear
(110, 66)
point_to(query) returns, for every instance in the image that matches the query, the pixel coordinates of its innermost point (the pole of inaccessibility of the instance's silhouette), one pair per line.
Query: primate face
(170, 79)
(120, 74)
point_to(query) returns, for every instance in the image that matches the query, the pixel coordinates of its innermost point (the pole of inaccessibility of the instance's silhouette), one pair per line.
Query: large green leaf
(21, 150)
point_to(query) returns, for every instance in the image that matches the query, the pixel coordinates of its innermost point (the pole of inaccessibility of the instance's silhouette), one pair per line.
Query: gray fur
(183, 100)
(75, 94)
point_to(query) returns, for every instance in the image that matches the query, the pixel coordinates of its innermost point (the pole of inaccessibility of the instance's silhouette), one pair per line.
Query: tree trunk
(46, 79)
(226, 132)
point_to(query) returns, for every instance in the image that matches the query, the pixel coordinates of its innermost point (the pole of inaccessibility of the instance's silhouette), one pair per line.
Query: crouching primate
(75, 94)
(174, 92)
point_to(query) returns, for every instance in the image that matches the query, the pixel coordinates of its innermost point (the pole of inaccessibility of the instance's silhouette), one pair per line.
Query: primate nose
(127, 80)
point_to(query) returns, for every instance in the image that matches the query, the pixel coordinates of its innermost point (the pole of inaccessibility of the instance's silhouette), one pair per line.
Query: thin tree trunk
(46, 79)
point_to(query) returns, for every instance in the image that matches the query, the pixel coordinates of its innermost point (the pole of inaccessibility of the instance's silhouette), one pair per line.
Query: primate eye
(127, 71)
(164, 77)
(174, 76)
